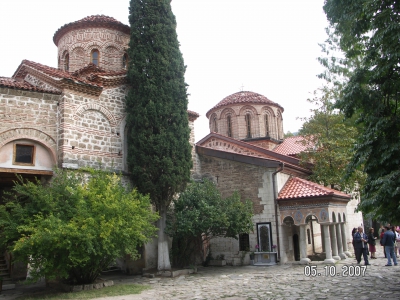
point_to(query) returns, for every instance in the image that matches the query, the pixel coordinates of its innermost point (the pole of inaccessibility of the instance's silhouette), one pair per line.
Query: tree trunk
(163, 251)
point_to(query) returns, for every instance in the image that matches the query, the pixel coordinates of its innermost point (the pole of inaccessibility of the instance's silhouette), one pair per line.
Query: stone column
(332, 232)
(343, 228)
(340, 242)
(327, 242)
(303, 245)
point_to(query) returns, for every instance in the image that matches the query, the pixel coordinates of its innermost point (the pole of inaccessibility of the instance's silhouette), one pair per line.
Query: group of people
(366, 244)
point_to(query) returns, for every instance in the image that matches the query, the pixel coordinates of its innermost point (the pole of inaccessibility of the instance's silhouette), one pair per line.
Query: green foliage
(369, 31)
(159, 154)
(75, 226)
(200, 214)
(330, 141)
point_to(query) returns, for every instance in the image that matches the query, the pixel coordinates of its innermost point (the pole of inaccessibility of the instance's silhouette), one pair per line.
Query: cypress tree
(159, 152)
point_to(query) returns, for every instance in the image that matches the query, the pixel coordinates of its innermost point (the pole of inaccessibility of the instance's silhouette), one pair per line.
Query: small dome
(91, 21)
(244, 97)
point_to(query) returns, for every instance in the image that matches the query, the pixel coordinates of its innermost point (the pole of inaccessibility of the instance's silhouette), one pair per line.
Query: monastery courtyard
(286, 281)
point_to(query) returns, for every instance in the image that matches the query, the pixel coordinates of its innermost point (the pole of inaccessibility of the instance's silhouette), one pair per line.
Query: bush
(75, 226)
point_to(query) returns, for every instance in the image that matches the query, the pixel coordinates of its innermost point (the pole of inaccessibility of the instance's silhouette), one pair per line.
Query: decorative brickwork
(79, 43)
(265, 117)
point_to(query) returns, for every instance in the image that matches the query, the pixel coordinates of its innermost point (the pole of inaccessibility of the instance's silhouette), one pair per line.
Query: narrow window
(247, 118)
(266, 125)
(228, 119)
(94, 59)
(309, 236)
(244, 242)
(215, 125)
(125, 61)
(24, 154)
(66, 63)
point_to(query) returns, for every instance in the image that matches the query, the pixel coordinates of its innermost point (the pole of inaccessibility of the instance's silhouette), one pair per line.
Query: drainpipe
(276, 209)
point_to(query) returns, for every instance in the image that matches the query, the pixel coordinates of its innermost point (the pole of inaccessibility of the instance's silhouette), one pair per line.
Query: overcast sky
(268, 47)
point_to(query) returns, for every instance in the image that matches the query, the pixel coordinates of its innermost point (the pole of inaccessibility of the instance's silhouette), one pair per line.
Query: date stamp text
(332, 271)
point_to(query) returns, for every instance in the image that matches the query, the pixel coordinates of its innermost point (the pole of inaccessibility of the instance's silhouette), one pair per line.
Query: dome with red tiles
(244, 97)
(91, 21)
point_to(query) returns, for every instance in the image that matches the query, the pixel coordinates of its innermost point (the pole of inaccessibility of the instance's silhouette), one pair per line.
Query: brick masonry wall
(239, 128)
(111, 45)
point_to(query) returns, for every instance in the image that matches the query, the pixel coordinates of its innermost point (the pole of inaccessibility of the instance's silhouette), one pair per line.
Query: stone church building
(73, 116)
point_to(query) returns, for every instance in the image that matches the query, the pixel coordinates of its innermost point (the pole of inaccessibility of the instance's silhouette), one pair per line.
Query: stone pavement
(286, 281)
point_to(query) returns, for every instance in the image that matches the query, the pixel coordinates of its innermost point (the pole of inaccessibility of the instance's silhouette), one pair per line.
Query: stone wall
(92, 130)
(30, 118)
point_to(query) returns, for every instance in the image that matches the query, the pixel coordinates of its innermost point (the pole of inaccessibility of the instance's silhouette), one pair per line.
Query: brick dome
(244, 97)
(91, 21)
(98, 39)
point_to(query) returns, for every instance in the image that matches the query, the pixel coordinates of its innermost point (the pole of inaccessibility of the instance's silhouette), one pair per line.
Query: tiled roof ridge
(94, 21)
(262, 149)
(286, 159)
(55, 72)
(12, 83)
(244, 97)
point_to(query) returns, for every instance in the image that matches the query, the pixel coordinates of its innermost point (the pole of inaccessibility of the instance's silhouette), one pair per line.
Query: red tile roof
(91, 21)
(23, 85)
(244, 97)
(300, 188)
(53, 72)
(291, 146)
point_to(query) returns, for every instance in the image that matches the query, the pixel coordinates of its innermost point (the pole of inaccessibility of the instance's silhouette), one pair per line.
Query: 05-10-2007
(345, 271)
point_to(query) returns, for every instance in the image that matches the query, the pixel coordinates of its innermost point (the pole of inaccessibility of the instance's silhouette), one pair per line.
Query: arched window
(266, 121)
(229, 125)
(125, 61)
(66, 62)
(247, 118)
(215, 124)
(94, 57)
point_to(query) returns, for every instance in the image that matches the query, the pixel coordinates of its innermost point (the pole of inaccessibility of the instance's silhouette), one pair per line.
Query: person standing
(360, 240)
(372, 243)
(381, 240)
(388, 242)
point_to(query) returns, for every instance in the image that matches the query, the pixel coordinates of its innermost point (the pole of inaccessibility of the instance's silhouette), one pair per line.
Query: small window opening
(266, 125)
(125, 61)
(66, 63)
(24, 154)
(248, 125)
(229, 121)
(95, 57)
(215, 125)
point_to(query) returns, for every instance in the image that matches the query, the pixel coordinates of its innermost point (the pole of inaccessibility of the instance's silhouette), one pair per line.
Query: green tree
(200, 214)
(330, 141)
(369, 29)
(159, 152)
(76, 226)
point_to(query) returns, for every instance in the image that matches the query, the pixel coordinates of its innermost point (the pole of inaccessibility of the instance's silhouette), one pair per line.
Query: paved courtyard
(345, 280)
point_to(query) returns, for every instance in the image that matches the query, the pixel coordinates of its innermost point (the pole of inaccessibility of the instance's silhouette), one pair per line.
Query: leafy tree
(159, 155)
(369, 29)
(330, 142)
(200, 214)
(76, 226)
